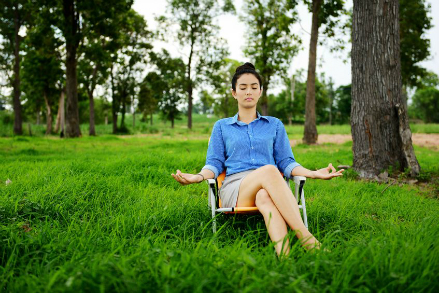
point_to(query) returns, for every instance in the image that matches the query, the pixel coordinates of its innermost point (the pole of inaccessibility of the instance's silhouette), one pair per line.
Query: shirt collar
(234, 119)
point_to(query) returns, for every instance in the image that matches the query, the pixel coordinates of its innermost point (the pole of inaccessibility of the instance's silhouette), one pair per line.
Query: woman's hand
(186, 178)
(328, 173)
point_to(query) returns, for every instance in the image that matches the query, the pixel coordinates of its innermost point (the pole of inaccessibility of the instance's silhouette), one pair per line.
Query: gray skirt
(228, 192)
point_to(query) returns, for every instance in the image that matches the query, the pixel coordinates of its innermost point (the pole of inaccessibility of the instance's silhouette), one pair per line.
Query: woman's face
(248, 91)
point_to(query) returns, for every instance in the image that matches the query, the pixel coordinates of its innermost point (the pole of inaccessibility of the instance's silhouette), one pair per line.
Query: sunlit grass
(104, 214)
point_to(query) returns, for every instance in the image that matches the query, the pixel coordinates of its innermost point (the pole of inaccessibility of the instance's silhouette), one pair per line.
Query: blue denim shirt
(238, 147)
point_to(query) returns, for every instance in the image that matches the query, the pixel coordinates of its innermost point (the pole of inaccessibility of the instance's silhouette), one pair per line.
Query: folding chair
(215, 202)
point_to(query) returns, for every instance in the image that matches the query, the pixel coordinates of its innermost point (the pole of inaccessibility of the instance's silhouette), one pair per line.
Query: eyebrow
(255, 83)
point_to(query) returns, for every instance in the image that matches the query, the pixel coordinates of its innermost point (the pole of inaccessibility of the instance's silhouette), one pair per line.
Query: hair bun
(246, 65)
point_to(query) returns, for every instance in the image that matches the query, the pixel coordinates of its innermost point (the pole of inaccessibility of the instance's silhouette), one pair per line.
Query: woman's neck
(247, 115)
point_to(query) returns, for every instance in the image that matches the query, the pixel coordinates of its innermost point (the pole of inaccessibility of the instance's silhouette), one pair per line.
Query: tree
(323, 12)
(206, 102)
(221, 78)
(129, 61)
(148, 97)
(343, 101)
(73, 17)
(286, 109)
(414, 22)
(42, 56)
(168, 84)
(14, 15)
(425, 104)
(380, 130)
(272, 45)
(197, 33)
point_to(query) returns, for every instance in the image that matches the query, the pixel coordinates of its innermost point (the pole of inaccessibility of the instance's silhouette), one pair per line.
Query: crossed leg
(266, 189)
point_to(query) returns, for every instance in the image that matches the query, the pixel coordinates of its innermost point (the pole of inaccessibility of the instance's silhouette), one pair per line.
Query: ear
(233, 93)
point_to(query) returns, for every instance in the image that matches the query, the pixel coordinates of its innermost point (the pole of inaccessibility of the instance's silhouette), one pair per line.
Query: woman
(253, 149)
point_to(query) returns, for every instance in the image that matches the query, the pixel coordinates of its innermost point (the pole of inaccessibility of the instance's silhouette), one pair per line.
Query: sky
(234, 32)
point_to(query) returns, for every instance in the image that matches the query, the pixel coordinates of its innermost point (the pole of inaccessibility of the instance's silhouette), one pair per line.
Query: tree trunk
(310, 133)
(190, 86)
(172, 122)
(48, 115)
(113, 102)
(124, 108)
(380, 131)
(18, 128)
(264, 99)
(60, 114)
(134, 121)
(92, 131)
(71, 36)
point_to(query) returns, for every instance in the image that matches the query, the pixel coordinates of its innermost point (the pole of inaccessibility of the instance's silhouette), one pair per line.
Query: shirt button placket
(250, 133)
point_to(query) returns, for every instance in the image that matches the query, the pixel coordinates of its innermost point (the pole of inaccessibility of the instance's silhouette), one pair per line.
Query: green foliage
(206, 102)
(128, 62)
(167, 85)
(104, 214)
(42, 48)
(426, 104)
(225, 105)
(283, 108)
(272, 44)
(342, 106)
(414, 20)
(191, 23)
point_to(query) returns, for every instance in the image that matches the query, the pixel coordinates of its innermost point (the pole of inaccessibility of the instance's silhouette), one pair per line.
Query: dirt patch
(420, 139)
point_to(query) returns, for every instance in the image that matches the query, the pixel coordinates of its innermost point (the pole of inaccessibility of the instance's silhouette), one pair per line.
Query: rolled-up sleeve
(283, 155)
(216, 151)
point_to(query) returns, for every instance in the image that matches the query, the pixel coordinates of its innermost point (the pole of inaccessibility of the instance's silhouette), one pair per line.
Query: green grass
(104, 214)
(202, 126)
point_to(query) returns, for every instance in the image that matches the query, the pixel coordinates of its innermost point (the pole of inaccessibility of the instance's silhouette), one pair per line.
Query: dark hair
(243, 69)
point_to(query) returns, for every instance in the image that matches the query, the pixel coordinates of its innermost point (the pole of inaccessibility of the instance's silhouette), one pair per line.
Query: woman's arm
(186, 178)
(324, 173)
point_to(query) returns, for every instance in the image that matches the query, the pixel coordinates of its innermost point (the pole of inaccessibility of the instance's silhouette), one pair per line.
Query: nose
(248, 90)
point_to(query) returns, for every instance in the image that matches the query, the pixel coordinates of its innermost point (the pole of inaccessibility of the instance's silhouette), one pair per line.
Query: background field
(104, 214)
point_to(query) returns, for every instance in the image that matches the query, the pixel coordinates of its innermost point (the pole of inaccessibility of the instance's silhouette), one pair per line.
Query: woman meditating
(253, 149)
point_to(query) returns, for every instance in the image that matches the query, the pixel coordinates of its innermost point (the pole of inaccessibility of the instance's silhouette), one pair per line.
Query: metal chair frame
(214, 200)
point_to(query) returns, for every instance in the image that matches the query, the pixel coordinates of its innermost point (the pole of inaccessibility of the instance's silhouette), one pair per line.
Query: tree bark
(380, 130)
(92, 131)
(60, 114)
(113, 103)
(190, 86)
(18, 120)
(310, 132)
(48, 115)
(264, 98)
(71, 36)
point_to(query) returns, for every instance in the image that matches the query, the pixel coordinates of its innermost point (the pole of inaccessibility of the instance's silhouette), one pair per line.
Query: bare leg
(276, 226)
(269, 178)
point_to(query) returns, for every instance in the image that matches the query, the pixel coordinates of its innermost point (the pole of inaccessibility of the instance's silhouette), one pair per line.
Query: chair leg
(305, 218)
(213, 219)
(212, 204)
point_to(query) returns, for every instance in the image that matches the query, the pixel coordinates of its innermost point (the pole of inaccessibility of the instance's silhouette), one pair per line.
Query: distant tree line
(75, 61)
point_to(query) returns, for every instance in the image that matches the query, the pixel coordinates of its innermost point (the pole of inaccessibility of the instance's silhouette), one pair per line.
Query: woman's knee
(270, 171)
(263, 199)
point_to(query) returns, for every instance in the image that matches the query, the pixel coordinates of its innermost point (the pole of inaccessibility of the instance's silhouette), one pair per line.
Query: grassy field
(104, 214)
(202, 126)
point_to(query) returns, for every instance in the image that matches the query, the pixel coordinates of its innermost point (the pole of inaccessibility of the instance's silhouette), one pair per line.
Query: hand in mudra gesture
(328, 173)
(186, 178)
